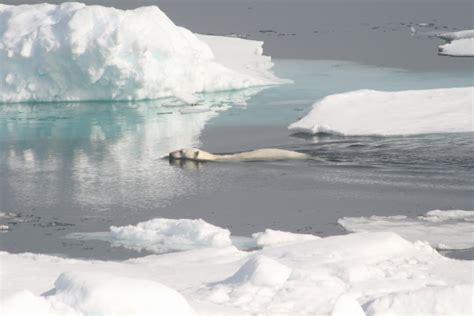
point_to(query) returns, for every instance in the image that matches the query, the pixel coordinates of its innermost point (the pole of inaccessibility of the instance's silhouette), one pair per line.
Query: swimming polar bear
(253, 155)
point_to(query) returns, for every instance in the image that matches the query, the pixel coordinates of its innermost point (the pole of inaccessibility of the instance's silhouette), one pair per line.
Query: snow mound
(369, 112)
(90, 293)
(163, 235)
(77, 52)
(272, 237)
(449, 300)
(347, 305)
(460, 44)
(260, 271)
(442, 229)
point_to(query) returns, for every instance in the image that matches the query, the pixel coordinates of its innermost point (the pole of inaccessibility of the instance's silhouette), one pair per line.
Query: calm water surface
(82, 167)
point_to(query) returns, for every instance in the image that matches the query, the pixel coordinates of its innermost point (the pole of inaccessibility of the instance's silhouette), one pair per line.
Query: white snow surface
(373, 273)
(275, 237)
(452, 229)
(75, 52)
(460, 44)
(370, 112)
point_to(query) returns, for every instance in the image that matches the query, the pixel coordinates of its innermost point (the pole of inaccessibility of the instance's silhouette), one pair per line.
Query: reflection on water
(97, 154)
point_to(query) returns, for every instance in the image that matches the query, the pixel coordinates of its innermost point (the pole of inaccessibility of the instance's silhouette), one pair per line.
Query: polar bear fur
(259, 154)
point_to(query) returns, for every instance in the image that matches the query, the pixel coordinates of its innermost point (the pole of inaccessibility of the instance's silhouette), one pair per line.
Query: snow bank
(442, 229)
(459, 44)
(163, 235)
(449, 300)
(99, 294)
(77, 52)
(369, 112)
(375, 273)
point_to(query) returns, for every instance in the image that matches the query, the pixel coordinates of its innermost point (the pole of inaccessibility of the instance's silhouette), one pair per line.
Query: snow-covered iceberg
(370, 112)
(452, 229)
(460, 43)
(77, 52)
(376, 273)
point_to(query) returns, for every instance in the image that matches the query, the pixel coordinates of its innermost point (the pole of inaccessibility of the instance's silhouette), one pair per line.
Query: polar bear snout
(191, 154)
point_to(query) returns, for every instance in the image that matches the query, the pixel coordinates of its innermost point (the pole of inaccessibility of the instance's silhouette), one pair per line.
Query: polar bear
(253, 155)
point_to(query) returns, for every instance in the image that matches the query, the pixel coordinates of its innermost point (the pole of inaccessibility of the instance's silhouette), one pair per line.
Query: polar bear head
(192, 154)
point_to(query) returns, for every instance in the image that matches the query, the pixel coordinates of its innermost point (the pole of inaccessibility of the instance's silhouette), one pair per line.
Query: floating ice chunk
(369, 112)
(77, 52)
(461, 43)
(272, 237)
(163, 235)
(451, 36)
(458, 48)
(449, 300)
(442, 229)
(439, 215)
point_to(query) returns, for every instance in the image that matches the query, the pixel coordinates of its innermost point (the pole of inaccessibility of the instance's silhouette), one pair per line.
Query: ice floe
(442, 229)
(460, 43)
(377, 273)
(370, 112)
(162, 235)
(277, 237)
(77, 52)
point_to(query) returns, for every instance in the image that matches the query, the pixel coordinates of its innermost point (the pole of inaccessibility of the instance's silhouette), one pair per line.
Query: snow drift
(77, 52)
(370, 112)
(460, 44)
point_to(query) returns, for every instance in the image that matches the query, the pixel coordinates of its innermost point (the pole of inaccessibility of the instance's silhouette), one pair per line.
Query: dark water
(82, 167)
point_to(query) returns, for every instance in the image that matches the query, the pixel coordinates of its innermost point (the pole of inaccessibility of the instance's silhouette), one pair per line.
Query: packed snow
(452, 229)
(370, 112)
(460, 43)
(77, 52)
(376, 273)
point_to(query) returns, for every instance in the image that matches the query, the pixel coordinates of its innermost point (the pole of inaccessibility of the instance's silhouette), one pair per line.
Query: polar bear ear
(196, 154)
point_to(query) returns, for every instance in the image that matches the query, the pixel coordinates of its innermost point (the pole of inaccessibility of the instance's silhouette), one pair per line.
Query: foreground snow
(369, 112)
(77, 52)
(442, 229)
(356, 274)
(460, 44)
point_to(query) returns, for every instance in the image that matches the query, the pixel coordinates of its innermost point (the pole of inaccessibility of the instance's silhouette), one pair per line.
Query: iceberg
(370, 112)
(376, 273)
(76, 52)
(445, 230)
(460, 43)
